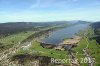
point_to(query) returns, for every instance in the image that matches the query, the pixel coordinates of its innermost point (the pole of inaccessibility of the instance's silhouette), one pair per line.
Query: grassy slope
(95, 51)
(11, 40)
(93, 48)
(45, 52)
(49, 52)
(38, 50)
(16, 37)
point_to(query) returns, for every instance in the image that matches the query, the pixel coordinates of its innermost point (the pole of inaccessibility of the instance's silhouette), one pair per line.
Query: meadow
(9, 41)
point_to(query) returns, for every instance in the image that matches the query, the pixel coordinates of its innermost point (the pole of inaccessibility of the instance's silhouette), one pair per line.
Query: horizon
(49, 10)
(50, 21)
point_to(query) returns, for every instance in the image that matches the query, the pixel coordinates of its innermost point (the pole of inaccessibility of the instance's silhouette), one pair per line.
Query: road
(90, 60)
(73, 59)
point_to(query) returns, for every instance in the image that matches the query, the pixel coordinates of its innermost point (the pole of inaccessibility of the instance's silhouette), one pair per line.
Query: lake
(69, 32)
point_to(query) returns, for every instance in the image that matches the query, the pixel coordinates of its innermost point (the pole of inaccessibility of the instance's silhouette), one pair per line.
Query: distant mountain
(96, 27)
(13, 24)
(80, 22)
(14, 27)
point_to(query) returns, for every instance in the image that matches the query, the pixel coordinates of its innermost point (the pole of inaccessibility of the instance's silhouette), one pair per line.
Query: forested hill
(96, 27)
(29, 24)
(14, 27)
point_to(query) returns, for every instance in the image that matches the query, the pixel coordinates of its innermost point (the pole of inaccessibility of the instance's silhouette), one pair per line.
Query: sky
(49, 10)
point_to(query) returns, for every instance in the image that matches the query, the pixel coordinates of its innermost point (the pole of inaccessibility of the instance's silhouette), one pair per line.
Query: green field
(14, 39)
(36, 48)
(93, 47)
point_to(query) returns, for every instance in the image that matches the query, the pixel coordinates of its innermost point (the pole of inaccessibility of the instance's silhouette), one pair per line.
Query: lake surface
(69, 32)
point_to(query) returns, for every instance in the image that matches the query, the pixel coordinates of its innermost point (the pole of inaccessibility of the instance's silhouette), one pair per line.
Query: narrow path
(73, 59)
(5, 56)
(90, 60)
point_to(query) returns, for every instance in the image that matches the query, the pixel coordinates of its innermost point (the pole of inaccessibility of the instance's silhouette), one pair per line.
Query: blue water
(68, 32)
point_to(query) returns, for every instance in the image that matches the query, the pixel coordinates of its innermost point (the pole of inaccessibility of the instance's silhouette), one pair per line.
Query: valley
(23, 48)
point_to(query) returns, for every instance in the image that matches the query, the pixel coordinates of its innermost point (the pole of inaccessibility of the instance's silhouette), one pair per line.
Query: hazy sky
(49, 10)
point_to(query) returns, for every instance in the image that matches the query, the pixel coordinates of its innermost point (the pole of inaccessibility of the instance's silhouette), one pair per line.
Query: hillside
(15, 27)
(96, 27)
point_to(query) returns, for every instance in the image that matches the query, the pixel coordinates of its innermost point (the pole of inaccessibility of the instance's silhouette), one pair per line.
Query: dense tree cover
(15, 27)
(96, 27)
